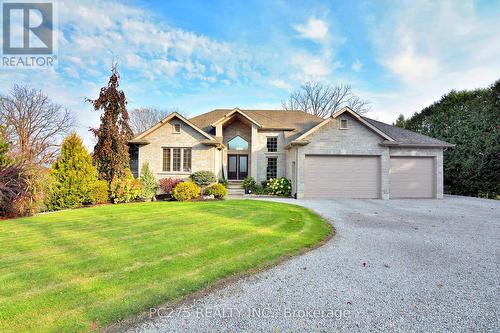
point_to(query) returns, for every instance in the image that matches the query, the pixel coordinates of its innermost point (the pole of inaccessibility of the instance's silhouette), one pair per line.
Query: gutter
(423, 145)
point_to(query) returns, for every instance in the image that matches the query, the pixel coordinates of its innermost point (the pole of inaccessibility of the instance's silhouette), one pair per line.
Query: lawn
(66, 270)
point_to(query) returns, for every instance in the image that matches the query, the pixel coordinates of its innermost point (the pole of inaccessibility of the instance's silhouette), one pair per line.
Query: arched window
(237, 143)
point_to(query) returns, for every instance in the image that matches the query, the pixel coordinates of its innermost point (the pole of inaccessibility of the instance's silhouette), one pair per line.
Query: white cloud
(281, 84)
(313, 29)
(312, 67)
(410, 66)
(97, 32)
(357, 66)
(431, 48)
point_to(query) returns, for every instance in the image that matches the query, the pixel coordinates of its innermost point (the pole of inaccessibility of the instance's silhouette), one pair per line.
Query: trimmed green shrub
(125, 189)
(185, 191)
(280, 186)
(72, 176)
(168, 184)
(259, 189)
(224, 182)
(217, 190)
(99, 192)
(249, 184)
(149, 184)
(203, 178)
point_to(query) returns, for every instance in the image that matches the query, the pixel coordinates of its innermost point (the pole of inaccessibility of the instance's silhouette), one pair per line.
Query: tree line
(470, 119)
(37, 172)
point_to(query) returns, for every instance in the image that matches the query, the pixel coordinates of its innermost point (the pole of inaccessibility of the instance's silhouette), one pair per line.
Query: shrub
(126, 188)
(168, 184)
(217, 190)
(224, 182)
(185, 191)
(260, 190)
(203, 178)
(4, 147)
(149, 183)
(280, 186)
(12, 187)
(249, 184)
(99, 192)
(72, 176)
(36, 181)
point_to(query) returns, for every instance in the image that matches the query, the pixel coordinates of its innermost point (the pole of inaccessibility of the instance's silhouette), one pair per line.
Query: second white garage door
(412, 177)
(342, 176)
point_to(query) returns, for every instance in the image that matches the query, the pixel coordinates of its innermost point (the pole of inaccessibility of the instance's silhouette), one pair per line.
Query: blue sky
(199, 55)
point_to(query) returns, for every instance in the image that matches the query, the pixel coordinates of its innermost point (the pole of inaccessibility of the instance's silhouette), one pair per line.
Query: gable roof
(354, 115)
(236, 111)
(297, 126)
(295, 122)
(139, 138)
(394, 136)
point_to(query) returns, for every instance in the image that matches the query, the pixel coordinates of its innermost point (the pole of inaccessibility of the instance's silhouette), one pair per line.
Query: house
(344, 156)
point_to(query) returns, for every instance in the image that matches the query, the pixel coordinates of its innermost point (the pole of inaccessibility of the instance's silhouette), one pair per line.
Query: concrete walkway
(397, 265)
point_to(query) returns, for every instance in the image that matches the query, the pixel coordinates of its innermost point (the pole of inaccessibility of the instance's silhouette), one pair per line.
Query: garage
(333, 176)
(412, 177)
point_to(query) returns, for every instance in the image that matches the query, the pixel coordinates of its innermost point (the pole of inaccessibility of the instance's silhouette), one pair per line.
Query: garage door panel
(412, 177)
(342, 176)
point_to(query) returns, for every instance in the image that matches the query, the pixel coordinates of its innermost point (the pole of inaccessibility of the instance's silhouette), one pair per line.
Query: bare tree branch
(142, 119)
(323, 100)
(34, 124)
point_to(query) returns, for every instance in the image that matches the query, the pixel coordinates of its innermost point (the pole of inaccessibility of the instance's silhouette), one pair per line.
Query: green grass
(63, 271)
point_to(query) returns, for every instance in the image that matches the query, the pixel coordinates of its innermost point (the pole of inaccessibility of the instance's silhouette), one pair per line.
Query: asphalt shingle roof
(299, 121)
(404, 136)
(302, 122)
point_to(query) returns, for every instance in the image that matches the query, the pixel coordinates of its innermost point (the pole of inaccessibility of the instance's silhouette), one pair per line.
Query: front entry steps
(235, 189)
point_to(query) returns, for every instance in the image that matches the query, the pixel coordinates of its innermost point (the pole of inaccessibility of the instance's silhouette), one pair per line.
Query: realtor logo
(27, 30)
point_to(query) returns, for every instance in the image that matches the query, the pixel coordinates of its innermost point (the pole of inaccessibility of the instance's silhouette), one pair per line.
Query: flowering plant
(279, 186)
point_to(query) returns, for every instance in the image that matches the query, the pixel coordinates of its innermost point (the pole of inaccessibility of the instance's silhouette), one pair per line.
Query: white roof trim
(314, 129)
(338, 113)
(166, 120)
(235, 110)
(364, 122)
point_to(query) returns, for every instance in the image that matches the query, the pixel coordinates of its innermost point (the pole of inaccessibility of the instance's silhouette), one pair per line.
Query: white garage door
(342, 176)
(412, 177)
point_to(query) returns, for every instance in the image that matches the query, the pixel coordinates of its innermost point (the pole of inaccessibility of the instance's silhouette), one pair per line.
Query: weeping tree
(111, 150)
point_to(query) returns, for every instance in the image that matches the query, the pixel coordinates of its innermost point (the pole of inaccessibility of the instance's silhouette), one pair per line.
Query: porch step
(235, 189)
(235, 184)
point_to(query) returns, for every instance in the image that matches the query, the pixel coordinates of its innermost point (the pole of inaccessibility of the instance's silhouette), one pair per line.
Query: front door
(237, 167)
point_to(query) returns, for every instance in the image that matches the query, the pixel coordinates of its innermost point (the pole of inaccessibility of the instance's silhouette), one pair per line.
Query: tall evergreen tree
(73, 176)
(400, 122)
(111, 151)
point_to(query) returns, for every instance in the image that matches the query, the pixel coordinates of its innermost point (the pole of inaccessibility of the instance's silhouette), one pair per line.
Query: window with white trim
(272, 167)
(272, 144)
(176, 128)
(186, 162)
(343, 123)
(237, 143)
(176, 159)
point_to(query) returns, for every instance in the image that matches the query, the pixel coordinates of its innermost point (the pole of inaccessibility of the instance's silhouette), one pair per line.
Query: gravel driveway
(397, 265)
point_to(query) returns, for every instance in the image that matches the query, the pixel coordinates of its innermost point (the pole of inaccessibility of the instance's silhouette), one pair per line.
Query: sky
(196, 56)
